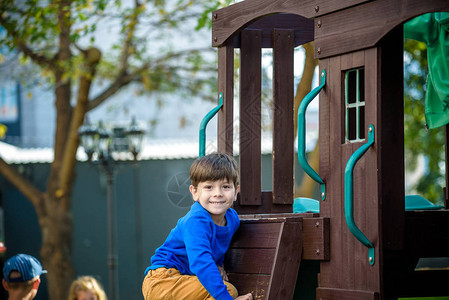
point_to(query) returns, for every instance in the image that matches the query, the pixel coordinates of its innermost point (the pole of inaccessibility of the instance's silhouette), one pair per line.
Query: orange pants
(169, 284)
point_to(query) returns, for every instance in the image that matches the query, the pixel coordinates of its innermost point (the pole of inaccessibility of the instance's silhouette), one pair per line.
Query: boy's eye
(226, 186)
(207, 187)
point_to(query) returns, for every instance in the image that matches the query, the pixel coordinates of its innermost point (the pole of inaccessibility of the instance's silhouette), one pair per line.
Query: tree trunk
(56, 251)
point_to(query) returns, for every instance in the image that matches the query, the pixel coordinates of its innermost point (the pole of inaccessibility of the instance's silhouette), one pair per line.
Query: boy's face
(215, 197)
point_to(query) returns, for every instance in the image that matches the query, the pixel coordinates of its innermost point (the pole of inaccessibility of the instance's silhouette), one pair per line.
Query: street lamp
(99, 144)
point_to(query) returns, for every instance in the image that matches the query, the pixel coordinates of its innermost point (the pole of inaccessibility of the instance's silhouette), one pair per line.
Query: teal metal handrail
(204, 122)
(302, 134)
(349, 197)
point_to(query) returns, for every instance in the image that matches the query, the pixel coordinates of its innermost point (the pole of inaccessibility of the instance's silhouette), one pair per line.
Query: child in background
(86, 288)
(188, 265)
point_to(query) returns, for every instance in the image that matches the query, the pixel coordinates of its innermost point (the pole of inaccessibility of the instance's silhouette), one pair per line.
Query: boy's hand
(223, 274)
(245, 297)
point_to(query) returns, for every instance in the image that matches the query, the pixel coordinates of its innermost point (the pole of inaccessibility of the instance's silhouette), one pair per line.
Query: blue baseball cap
(27, 265)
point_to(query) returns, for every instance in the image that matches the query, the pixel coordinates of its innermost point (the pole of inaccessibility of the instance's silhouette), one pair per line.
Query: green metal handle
(204, 122)
(302, 134)
(349, 198)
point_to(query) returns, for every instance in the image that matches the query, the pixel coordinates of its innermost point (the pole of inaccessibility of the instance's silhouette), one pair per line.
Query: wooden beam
(226, 86)
(283, 135)
(363, 26)
(228, 21)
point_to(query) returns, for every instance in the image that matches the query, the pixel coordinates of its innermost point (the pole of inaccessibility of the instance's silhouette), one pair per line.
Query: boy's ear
(194, 192)
(237, 190)
(36, 284)
(5, 284)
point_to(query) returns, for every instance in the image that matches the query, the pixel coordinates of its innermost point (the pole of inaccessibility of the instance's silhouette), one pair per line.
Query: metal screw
(370, 259)
(319, 52)
(215, 39)
(322, 75)
(317, 8)
(215, 16)
(317, 251)
(317, 224)
(370, 129)
(319, 24)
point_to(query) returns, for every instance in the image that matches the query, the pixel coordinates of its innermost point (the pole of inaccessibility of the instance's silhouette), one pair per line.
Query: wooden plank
(347, 294)
(287, 261)
(250, 261)
(332, 206)
(256, 235)
(228, 21)
(316, 244)
(250, 118)
(266, 207)
(363, 26)
(390, 139)
(226, 86)
(302, 28)
(324, 133)
(256, 284)
(283, 134)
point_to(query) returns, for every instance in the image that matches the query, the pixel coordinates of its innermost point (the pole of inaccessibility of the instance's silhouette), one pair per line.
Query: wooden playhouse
(367, 243)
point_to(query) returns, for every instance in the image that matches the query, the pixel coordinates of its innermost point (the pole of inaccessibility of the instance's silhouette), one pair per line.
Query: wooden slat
(249, 235)
(256, 284)
(324, 132)
(250, 261)
(287, 261)
(250, 118)
(346, 294)
(283, 134)
(316, 244)
(229, 20)
(226, 86)
(363, 26)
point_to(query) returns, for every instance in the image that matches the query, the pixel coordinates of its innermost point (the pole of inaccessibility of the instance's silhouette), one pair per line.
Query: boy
(21, 276)
(188, 265)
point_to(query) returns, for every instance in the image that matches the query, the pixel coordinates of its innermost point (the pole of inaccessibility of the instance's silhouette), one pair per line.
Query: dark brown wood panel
(249, 235)
(250, 261)
(226, 86)
(283, 135)
(427, 233)
(256, 284)
(363, 26)
(316, 239)
(226, 22)
(417, 284)
(250, 118)
(287, 261)
(346, 294)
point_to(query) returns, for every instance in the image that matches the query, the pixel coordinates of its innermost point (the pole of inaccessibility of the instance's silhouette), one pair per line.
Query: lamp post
(99, 145)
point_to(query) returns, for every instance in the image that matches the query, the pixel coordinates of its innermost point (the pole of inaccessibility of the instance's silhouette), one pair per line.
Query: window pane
(362, 85)
(351, 134)
(351, 86)
(362, 122)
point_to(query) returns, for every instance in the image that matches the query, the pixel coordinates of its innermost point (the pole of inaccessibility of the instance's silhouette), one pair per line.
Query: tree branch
(22, 184)
(26, 50)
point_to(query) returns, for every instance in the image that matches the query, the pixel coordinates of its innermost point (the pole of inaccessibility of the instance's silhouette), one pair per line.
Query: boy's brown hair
(214, 167)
